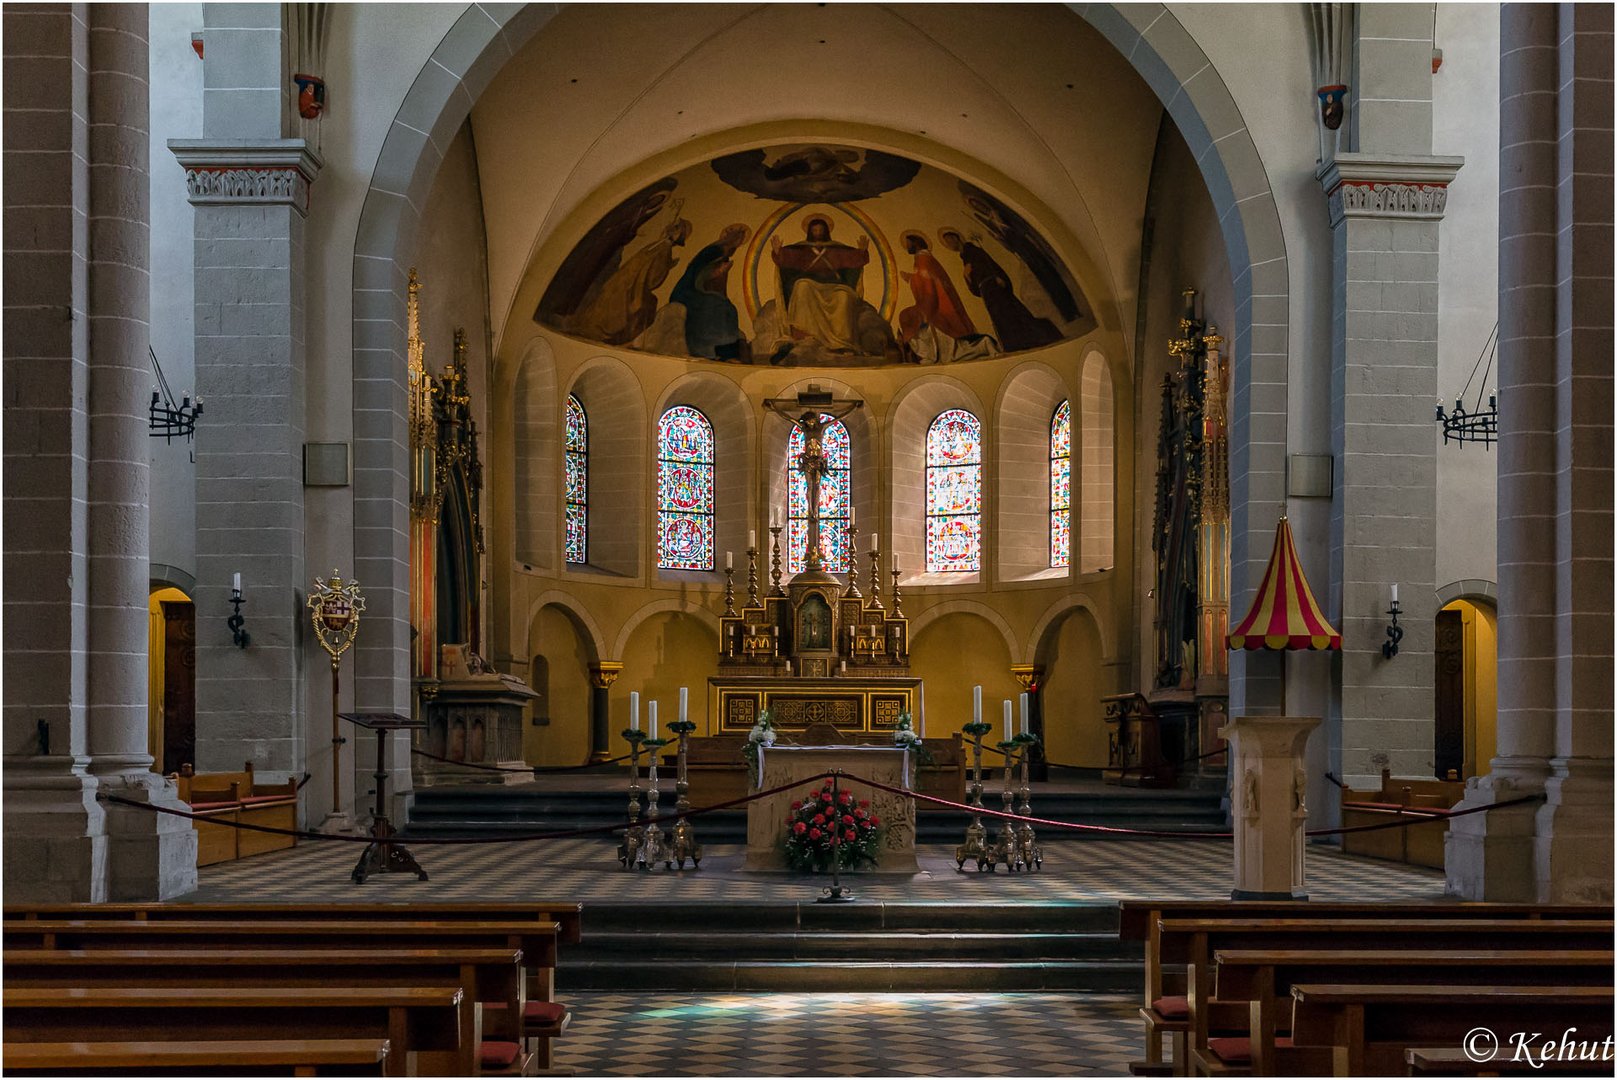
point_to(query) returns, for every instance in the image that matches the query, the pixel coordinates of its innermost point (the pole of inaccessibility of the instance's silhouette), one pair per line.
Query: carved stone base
(766, 829)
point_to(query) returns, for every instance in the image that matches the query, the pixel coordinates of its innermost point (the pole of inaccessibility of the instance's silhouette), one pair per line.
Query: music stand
(384, 854)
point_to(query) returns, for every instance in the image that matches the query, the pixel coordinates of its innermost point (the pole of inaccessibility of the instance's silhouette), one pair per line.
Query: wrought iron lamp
(236, 622)
(166, 420)
(1395, 633)
(1476, 424)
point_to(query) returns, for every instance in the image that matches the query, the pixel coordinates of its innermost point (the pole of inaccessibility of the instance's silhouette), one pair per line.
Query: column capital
(1029, 675)
(604, 673)
(231, 172)
(1408, 186)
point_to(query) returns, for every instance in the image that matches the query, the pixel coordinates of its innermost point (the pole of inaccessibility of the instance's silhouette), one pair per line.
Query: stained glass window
(684, 490)
(578, 482)
(954, 492)
(1061, 484)
(836, 500)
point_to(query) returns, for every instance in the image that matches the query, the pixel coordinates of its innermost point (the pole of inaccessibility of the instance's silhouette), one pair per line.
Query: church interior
(808, 539)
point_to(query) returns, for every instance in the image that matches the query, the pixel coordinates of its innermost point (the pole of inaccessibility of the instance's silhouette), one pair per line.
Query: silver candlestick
(1005, 844)
(655, 849)
(685, 845)
(1028, 853)
(634, 835)
(976, 844)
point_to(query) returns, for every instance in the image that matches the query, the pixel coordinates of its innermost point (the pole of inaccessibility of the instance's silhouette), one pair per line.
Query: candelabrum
(1004, 849)
(634, 835)
(729, 590)
(898, 605)
(1029, 856)
(853, 563)
(774, 573)
(752, 577)
(875, 580)
(976, 846)
(654, 848)
(685, 845)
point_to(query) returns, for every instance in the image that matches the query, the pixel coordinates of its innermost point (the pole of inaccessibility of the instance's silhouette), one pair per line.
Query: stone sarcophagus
(474, 717)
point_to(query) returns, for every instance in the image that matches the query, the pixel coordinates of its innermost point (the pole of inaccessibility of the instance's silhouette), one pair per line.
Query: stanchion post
(836, 894)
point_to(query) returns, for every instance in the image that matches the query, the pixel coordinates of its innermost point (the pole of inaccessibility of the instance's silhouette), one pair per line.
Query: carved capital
(604, 673)
(1028, 675)
(1412, 188)
(221, 172)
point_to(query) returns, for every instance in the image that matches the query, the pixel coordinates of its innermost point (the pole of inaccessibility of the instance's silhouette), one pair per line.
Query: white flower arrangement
(905, 738)
(760, 736)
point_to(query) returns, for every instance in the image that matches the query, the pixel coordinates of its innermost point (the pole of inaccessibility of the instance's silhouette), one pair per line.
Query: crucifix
(813, 410)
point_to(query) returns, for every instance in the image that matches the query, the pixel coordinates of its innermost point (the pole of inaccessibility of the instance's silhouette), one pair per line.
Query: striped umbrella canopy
(1284, 614)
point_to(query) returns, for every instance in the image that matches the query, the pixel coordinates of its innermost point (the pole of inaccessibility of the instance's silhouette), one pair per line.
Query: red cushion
(498, 1055)
(200, 806)
(545, 1012)
(1172, 1007)
(1237, 1049)
(269, 798)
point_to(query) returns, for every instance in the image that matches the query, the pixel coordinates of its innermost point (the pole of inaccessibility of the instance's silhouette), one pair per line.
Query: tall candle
(1023, 703)
(729, 562)
(976, 704)
(235, 585)
(651, 710)
(1007, 719)
(634, 709)
(875, 541)
(922, 692)
(752, 539)
(685, 701)
(1394, 590)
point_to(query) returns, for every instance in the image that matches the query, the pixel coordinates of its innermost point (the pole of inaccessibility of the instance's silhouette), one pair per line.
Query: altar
(766, 817)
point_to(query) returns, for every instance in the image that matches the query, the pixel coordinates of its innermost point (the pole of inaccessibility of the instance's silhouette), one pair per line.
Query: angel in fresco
(1015, 326)
(626, 303)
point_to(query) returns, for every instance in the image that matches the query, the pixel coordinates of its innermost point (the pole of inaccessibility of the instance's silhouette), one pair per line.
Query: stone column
(602, 675)
(250, 187)
(76, 526)
(1384, 221)
(1555, 447)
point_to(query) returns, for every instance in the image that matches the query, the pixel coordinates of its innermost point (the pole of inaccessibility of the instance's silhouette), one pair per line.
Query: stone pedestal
(766, 828)
(475, 718)
(1269, 804)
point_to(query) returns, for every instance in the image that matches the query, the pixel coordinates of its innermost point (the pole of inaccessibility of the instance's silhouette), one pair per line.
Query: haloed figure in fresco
(626, 303)
(936, 328)
(819, 284)
(1014, 325)
(712, 325)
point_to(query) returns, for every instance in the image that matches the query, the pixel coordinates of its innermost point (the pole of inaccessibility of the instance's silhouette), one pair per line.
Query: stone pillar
(602, 675)
(1555, 447)
(1269, 804)
(76, 525)
(250, 187)
(1384, 220)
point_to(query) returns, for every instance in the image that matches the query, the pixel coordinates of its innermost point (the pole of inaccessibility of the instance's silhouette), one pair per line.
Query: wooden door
(1449, 744)
(179, 685)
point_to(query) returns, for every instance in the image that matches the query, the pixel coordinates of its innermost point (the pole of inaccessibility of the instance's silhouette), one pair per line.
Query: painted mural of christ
(820, 285)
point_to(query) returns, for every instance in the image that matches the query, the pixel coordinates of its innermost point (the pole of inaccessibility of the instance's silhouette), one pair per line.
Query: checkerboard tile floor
(587, 869)
(850, 1035)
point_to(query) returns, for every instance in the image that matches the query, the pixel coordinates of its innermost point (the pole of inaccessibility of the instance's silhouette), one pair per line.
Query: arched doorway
(171, 734)
(1466, 689)
(1069, 655)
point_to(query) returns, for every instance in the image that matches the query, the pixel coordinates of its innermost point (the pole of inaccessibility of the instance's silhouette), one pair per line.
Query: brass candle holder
(729, 590)
(774, 573)
(853, 562)
(634, 835)
(975, 847)
(898, 605)
(752, 577)
(875, 581)
(684, 845)
(654, 849)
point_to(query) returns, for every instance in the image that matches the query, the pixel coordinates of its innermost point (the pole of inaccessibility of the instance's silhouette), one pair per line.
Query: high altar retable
(766, 817)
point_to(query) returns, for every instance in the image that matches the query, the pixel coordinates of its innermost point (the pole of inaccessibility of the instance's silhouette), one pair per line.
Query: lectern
(384, 854)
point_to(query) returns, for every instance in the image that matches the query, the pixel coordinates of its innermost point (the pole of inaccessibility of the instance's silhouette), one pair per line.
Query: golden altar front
(849, 703)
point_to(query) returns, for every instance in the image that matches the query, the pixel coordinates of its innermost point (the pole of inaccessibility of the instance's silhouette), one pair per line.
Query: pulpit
(796, 765)
(474, 717)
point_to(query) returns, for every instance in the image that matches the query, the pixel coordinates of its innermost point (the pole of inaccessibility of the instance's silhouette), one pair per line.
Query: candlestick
(976, 704)
(976, 845)
(875, 579)
(898, 601)
(853, 562)
(752, 577)
(1023, 704)
(774, 573)
(1007, 719)
(729, 586)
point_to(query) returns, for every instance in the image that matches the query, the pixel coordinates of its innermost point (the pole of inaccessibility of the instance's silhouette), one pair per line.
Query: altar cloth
(766, 817)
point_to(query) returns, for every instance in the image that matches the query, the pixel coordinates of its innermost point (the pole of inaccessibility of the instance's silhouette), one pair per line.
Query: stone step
(864, 947)
(810, 976)
(790, 916)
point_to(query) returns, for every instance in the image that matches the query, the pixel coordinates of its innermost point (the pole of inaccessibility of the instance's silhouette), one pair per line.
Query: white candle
(843, 667)
(976, 704)
(651, 711)
(1024, 713)
(235, 585)
(752, 539)
(921, 691)
(634, 709)
(1007, 719)
(875, 542)
(685, 702)
(729, 563)
(1394, 591)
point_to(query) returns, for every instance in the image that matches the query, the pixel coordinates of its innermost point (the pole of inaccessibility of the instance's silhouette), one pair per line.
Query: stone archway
(483, 39)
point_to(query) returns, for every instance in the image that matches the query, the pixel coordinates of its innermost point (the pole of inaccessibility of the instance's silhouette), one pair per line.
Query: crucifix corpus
(813, 410)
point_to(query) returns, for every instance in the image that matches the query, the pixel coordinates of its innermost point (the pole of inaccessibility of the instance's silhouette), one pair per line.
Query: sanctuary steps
(864, 947)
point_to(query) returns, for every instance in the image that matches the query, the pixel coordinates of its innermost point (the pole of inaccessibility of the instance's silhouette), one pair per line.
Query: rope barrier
(1414, 816)
(534, 769)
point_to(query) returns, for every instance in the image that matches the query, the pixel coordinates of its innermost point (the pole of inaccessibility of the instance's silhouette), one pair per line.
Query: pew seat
(228, 797)
(255, 1057)
(1449, 1061)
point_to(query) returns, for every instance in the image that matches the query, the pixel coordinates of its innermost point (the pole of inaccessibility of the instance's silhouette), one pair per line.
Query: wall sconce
(236, 622)
(1395, 633)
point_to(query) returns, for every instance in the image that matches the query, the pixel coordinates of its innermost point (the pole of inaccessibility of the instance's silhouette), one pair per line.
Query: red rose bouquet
(828, 827)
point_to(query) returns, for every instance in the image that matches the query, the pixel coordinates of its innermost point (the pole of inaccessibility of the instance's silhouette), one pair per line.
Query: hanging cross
(813, 410)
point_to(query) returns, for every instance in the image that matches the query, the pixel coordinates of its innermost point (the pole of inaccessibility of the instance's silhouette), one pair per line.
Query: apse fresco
(815, 254)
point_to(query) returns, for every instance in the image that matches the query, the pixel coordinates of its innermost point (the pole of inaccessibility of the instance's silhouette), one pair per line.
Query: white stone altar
(766, 817)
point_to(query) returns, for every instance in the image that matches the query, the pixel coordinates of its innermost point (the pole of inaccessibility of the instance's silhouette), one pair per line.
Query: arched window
(684, 490)
(836, 500)
(954, 493)
(578, 482)
(1061, 485)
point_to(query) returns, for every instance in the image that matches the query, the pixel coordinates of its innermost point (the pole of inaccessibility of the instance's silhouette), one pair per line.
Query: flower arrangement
(905, 738)
(761, 735)
(828, 826)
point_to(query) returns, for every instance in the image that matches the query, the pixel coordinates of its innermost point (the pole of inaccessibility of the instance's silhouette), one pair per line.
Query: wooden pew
(1261, 980)
(284, 1057)
(1193, 942)
(1368, 1028)
(422, 1023)
(491, 978)
(1448, 1061)
(1166, 1009)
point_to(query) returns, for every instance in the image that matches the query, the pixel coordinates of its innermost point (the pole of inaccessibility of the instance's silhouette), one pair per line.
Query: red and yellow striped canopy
(1284, 614)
